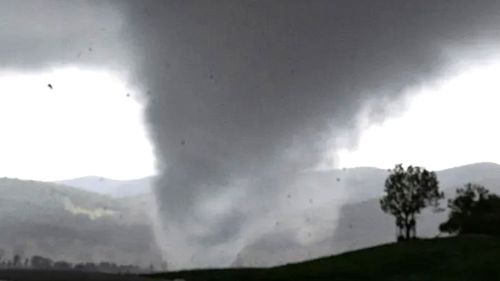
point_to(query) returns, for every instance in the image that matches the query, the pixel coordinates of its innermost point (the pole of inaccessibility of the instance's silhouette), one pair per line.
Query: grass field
(454, 259)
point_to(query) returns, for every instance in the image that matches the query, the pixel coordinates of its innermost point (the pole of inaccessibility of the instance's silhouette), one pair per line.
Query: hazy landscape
(94, 227)
(189, 140)
(69, 224)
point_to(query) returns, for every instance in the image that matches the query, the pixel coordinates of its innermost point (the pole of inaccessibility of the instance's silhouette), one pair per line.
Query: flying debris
(183, 142)
(128, 95)
(50, 86)
(338, 179)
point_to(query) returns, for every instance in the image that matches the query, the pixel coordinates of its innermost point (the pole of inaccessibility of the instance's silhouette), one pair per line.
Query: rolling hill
(64, 223)
(443, 259)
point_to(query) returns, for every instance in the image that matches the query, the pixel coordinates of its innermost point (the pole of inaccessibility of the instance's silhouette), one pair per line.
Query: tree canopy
(407, 192)
(473, 210)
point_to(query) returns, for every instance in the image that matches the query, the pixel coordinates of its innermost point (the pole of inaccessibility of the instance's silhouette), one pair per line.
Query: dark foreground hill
(453, 259)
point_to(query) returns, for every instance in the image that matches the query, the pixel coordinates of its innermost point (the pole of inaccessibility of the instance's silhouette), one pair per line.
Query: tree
(62, 265)
(40, 262)
(407, 192)
(473, 210)
(16, 261)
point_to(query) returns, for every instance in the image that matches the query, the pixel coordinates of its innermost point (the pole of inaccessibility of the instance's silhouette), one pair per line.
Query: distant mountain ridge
(113, 188)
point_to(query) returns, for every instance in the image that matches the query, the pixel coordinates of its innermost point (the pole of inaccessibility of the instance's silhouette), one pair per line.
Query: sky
(86, 123)
(446, 124)
(116, 144)
(232, 100)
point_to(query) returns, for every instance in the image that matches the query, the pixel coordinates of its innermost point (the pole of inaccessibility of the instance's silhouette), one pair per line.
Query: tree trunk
(407, 227)
(413, 223)
(400, 229)
(407, 231)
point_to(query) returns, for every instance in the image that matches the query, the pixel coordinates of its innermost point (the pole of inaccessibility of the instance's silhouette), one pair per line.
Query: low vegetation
(43, 263)
(473, 210)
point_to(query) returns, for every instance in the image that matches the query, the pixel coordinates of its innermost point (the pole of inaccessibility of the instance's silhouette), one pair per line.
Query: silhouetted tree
(473, 210)
(89, 266)
(16, 261)
(79, 266)
(407, 192)
(62, 265)
(108, 267)
(40, 262)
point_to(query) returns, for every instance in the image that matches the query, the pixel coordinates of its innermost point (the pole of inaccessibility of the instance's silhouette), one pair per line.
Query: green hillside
(457, 258)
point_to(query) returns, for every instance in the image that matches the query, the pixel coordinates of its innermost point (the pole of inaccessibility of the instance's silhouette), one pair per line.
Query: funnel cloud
(246, 95)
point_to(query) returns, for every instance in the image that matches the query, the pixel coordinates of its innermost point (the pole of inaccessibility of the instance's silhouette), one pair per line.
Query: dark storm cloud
(44, 34)
(245, 94)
